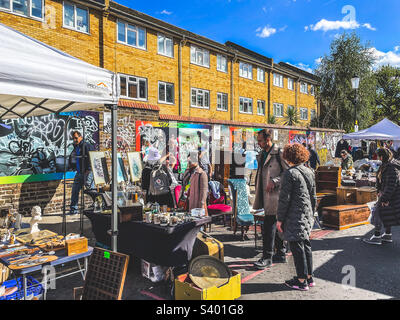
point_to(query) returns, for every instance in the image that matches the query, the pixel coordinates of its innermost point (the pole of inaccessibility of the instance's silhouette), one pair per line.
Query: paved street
(376, 268)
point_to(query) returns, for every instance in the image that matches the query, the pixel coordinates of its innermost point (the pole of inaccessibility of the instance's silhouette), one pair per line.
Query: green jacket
(347, 163)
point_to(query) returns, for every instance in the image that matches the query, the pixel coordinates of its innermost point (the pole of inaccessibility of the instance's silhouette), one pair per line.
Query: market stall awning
(37, 79)
(384, 130)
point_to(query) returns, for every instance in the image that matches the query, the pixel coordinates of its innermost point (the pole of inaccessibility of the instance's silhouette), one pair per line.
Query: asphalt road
(345, 268)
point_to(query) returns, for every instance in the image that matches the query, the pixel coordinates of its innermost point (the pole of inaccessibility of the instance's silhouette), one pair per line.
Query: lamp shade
(355, 82)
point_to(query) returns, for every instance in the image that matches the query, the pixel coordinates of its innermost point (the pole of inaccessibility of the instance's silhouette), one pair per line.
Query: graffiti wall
(301, 137)
(179, 139)
(34, 147)
(125, 133)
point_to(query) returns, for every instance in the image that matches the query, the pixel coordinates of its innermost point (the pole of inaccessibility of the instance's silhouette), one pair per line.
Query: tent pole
(114, 184)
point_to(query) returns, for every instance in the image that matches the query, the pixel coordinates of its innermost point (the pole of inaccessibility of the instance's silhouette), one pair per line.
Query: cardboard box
(185, 289)
(76, 246)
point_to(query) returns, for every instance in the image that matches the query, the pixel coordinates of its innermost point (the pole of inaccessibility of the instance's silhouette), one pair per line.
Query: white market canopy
(37, 79)
(384, 130)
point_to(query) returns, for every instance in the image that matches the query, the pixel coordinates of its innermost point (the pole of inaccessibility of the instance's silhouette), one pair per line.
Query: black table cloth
(164, 246)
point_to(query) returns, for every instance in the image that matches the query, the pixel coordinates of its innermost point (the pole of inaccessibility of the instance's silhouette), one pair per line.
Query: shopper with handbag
(386, 213)
(297, 203)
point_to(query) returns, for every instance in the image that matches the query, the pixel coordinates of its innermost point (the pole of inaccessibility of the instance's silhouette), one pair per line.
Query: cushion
(216, 208)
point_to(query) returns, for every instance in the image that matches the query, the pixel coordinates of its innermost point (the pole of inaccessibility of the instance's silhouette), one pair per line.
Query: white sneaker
(374, 240)
(387, 238)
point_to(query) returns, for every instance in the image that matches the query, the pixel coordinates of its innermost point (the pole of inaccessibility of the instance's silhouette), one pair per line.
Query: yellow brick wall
(194, 76)
(282, 95)
(306, 101)
(51, 31)
(252, 89)
(147, 63)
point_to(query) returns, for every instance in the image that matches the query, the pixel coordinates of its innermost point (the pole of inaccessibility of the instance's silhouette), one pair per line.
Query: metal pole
(83, 186)
(64, 223)
(114, 216)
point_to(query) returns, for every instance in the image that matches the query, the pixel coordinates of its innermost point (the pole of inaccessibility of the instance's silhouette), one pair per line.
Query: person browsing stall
(79, 161)
(297, 203)
(347, 160)
(270, 170)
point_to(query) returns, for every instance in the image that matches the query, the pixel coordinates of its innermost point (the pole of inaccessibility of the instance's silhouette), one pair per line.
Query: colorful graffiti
(33, 148)
(125, 134)
(301, 137)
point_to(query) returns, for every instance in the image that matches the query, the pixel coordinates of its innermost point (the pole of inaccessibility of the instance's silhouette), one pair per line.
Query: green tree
(271, 119)
(292, 116)
(348, 57)
(387, 94)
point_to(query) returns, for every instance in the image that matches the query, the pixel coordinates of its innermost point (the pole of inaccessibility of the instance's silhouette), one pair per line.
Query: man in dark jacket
(80, 162)
(314, 158)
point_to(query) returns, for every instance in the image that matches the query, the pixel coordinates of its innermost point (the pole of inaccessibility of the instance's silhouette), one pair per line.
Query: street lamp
(355, 83)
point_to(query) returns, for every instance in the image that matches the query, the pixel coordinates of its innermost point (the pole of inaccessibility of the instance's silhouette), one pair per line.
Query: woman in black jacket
(297, 202)
(387, 209)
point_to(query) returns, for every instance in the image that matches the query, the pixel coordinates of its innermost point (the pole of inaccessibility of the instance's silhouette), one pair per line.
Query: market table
(62, 258)
(164, 246)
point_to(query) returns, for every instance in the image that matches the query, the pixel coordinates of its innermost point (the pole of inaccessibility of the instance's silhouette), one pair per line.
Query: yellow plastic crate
(185, 289)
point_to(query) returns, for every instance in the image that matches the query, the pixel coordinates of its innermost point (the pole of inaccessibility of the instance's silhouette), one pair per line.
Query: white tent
(36, 79)
(384, 130)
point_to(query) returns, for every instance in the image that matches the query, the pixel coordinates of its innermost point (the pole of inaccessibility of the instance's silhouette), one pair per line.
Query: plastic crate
(33, 287)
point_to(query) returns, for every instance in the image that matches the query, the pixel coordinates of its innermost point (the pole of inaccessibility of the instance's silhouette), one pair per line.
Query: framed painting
(135, 166)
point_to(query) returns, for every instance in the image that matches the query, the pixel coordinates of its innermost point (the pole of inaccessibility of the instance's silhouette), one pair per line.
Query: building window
(76, 17)
(200, 98)
(165, 92)
(313, 114)
(222, 101)
(199, 56)
(303, 87)
(261, 107)
(246, 70)
(131, 35)
(278, 110)
(290, 84)
(260, 75)
(222, 64)
(312, 90)
(133, 87)
(303, 114)
(165, 46)
(246, 105)
(28, 8)
(278, 80)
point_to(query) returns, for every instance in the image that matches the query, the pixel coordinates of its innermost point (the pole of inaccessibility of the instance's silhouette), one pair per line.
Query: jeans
(302, 256)
(79, 181)
(271, 239)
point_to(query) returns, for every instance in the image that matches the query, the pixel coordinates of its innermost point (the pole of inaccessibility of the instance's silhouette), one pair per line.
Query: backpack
(159, 182)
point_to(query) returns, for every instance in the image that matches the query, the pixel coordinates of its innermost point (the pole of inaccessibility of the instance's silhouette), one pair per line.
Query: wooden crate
(76, 246)
(346, 195)
(345, 216)
(327, 179)
(366, 194)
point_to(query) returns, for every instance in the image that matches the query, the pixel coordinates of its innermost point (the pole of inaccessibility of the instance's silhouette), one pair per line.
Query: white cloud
(283, 29)
(318, 61)
(396, 48)
(386, 58)
(265, 32)
(166, 12)
(303, 66)
(326, 25)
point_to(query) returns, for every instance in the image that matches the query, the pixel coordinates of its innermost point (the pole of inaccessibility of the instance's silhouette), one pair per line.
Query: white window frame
(165, 45)
(302, 112)
(280, 77)
(312, 90)
(313, 114)
(222, 96)
(219, 57)
(260, 71)
(258, 113)
(199, 92)
(173, 92)
(291, 80)
(243, 66)
(303, 85)
(127, 76)
(30, 16)
(246, 100)
(199, 50)
(75, 28)
(275, 105)
(137, 35)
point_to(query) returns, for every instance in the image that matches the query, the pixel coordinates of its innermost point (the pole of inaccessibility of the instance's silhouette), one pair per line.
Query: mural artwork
(35, 145)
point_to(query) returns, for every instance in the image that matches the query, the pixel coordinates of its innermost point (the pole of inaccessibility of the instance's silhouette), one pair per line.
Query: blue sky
(294, 31)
